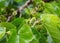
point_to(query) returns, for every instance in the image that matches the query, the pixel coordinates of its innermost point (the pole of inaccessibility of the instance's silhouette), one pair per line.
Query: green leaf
(2, 3)
(25, 34)
(8, 26)
(18, 0)
(49, 7)
(52, 8)
(21, 2)
(3, 40)
(34, 41)
(36, 33)
(50, 22)
(17, 39)
(18, 22)
(2, 32)
(11, 32)
(12, 37)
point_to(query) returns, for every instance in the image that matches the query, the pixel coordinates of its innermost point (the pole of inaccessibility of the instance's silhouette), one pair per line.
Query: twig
(9, 18)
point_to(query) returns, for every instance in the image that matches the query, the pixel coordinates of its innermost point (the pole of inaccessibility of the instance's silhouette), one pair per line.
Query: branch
(25, 5)
(21, 8)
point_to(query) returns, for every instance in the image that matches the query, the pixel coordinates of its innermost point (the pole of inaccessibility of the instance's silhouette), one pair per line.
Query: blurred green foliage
(39, 22)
